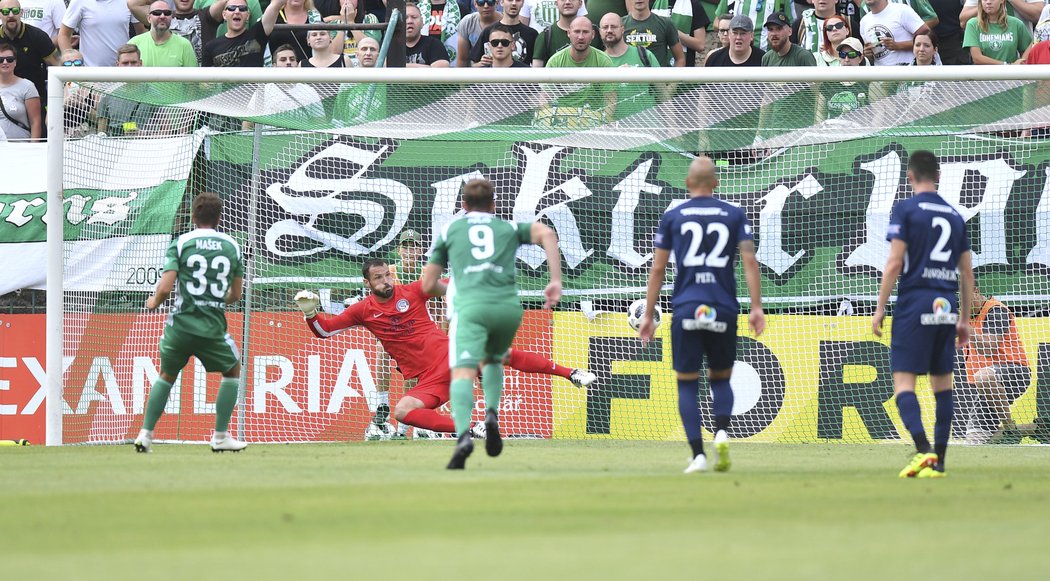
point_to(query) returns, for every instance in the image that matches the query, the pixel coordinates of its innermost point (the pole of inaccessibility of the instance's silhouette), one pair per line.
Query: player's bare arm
(165, 286)
(432, 283)
(966, 285)
(652, 293)
(233, 294)
(757, 318)
(894, 265)
(546, 237)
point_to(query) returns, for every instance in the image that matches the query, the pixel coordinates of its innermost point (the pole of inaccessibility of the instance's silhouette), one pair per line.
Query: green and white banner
(819, 213)
(121, 198)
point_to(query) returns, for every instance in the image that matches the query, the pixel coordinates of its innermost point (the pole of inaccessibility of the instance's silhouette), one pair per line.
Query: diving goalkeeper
(397, 315)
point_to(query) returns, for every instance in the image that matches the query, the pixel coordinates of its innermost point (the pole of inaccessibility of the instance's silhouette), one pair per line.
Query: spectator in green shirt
(996, 38)
(631, 97)
(596, 103)
(648, 30)
(782, 52)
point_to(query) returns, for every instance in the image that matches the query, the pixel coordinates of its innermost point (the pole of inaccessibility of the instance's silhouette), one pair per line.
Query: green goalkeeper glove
(307, 301)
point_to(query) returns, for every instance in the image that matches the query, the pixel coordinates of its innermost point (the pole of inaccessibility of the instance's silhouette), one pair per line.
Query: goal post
(320, 170)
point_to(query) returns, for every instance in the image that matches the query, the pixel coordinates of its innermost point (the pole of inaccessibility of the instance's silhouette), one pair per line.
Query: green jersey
(632, 98)
(479, 249)
(656, 33)
(207, 263)
(1005, 44)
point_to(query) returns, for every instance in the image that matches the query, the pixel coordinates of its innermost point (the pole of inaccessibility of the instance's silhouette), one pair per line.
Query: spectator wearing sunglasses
(103, 27)
(838, 99)
(524, 35)
(242, 45)
(194, 25)
(836, 31)
(159, 46)
(469, 30)
(35, 50)
(19, 102)
(500, 52)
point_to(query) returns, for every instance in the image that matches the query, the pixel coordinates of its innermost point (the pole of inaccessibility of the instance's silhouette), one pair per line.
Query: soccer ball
(637, 309)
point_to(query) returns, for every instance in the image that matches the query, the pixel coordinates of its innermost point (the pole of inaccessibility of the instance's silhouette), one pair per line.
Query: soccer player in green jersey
(479, 248)
(208, 268)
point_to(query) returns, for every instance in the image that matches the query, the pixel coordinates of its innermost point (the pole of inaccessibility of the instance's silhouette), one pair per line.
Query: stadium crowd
(537, 33)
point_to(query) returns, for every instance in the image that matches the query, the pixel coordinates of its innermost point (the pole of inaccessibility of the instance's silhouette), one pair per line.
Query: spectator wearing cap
(851, 53)
(837, 99)
(409, 265)
(741, 51)
(782, 52)
(757, 11)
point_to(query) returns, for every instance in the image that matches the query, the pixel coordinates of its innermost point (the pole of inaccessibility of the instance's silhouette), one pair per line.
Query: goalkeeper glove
(307, 301)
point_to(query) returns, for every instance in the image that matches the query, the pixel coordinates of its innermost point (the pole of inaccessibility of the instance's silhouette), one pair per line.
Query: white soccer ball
(637, 309)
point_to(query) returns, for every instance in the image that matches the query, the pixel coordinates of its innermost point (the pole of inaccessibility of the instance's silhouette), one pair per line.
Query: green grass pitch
(543, 510)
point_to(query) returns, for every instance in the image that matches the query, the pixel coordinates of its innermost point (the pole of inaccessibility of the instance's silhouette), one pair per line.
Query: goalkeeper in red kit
(397, 315)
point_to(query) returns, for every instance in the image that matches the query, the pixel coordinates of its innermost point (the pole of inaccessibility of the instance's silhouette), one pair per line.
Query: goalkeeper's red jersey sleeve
(402, 324)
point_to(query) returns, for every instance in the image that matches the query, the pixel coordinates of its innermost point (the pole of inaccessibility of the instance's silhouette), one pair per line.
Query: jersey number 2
(940, 252)
(220, 265)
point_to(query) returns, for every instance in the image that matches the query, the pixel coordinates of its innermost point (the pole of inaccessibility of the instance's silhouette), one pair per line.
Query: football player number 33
(218, 271)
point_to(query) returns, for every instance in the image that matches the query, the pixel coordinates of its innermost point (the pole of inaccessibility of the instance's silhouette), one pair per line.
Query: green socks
(158, 398)
(492, 384)
(461, 394)
(226, 402)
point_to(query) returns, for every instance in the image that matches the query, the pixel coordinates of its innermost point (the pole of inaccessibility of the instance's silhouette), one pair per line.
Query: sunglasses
(73, 63)
(7, 59)
(486, 2)
(835, 26)
(160, 13)
(6, 11)
(236, 8)
(849, 54)
(500, 42)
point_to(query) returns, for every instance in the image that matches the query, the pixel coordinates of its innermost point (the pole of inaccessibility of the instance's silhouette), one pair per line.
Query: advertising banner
(299, 388)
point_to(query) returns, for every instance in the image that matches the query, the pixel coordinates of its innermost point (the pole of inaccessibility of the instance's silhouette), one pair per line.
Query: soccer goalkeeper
(397, 315)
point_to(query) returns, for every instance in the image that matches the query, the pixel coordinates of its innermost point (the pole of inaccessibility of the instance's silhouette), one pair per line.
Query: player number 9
(482, 239)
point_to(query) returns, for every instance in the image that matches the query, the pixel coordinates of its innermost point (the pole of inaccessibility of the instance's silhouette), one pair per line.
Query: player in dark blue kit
(705, 234)
(930, 251)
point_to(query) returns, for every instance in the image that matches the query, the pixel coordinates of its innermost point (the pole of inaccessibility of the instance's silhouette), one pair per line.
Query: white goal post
(815, 160)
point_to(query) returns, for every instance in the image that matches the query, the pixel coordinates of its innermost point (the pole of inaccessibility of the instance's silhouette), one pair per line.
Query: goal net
(319, 174)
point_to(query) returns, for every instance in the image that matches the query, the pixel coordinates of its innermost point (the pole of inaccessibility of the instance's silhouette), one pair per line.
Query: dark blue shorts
(923, 339)
(716, 338)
